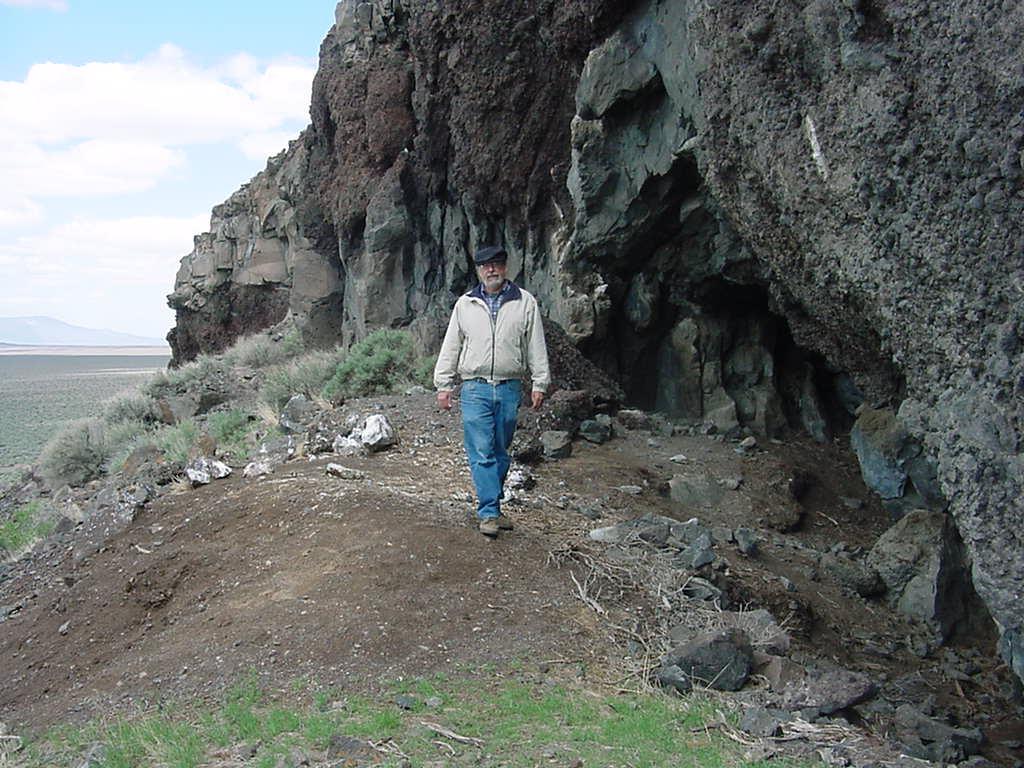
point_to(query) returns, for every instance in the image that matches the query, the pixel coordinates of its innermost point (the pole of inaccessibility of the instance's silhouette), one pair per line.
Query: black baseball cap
(490, 253)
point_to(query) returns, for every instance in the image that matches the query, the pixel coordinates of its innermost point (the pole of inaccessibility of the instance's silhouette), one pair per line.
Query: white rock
(258, 468)
(611, 535)
(345, 445)
(377, 433)
(343, 472)
(200, 471)
(519, 478)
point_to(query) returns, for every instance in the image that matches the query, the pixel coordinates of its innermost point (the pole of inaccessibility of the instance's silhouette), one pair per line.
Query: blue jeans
(488, 424)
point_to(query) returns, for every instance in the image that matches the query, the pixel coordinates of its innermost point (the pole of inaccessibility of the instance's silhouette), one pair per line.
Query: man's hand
(537, 400)
(444, 400)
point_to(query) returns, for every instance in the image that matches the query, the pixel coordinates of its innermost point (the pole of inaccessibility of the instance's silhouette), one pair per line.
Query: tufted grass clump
(262, 350)
(119, 457)
(25, 527)
(132, 406)
(82, 450)
(177, 441)
(305, 375)
(231, 431)
(204, 367)
(380, 363)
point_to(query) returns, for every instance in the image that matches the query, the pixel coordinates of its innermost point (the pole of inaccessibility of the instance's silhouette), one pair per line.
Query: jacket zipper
(494, 340)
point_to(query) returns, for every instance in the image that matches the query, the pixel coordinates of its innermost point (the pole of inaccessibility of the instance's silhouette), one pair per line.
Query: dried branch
(442, 731)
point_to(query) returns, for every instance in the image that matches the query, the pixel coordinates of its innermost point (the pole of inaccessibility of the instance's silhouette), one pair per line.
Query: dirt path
(355, 582)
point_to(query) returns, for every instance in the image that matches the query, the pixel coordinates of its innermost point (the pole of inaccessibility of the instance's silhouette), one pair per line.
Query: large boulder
(922, 564)
(720, 660)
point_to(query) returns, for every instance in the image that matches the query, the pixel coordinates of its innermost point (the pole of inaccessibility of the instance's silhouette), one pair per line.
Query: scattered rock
(921, 563)
(702, 589)
(731, 483)
(344, 473)
(852, 575)
(612, 534)
(526, 448)
(345, 445)
(277, 450)
(763, 722)
(761, 628)
(64, 628)
(297, 415)
(406, 702)
(780, 672)
(377, 433)
(520, 479)
(567, 409)
(746, 541)
(783, 517)
(748, 443)
(695, 490)
(351, 752)
(557, 444)
(633, 419)
(893, 463)
(675, 678)
(718, 660)
(258, 468)
(720, 534)
(594, 431)
(933, 740)
(632, 490)
(828, 692)
(202, 470)
(696, 555)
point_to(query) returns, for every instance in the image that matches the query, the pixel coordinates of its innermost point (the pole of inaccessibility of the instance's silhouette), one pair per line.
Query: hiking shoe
(489, 526)
(503, 522)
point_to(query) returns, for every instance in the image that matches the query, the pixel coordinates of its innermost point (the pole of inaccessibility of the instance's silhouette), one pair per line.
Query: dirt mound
(356, 581)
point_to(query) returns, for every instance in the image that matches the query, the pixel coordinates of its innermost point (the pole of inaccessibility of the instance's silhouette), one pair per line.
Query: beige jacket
(474, 347)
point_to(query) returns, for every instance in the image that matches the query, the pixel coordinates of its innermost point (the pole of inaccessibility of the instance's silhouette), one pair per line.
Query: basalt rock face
(270, 250)
(750, 213)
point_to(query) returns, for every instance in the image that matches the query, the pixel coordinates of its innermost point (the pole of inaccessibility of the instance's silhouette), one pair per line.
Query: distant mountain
(45, 331)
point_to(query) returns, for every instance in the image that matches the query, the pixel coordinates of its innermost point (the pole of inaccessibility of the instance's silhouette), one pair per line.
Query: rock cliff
(750, 213)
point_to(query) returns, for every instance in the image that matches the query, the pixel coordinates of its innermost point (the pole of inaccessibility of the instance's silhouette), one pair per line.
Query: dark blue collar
(510, 292)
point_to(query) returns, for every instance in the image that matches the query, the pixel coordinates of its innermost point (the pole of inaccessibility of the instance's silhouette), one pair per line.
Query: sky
(122, 123)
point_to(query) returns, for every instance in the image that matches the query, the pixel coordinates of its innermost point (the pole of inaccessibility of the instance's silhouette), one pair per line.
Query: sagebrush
(380, 363)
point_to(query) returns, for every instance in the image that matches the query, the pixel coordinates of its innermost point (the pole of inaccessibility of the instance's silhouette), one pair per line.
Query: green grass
(521, 723)
(177, 441)
(381, 363)
(305, 375)
(231, 431)
(26, 526)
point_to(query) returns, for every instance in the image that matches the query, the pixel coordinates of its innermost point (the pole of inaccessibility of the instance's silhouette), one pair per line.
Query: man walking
(494, 337)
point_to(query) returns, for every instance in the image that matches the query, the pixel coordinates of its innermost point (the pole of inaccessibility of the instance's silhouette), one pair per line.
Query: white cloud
(108, 128)
(105, 273)
(262, 145)
(49, 5)
(16, 210)
(90, 169)
(163, 99)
